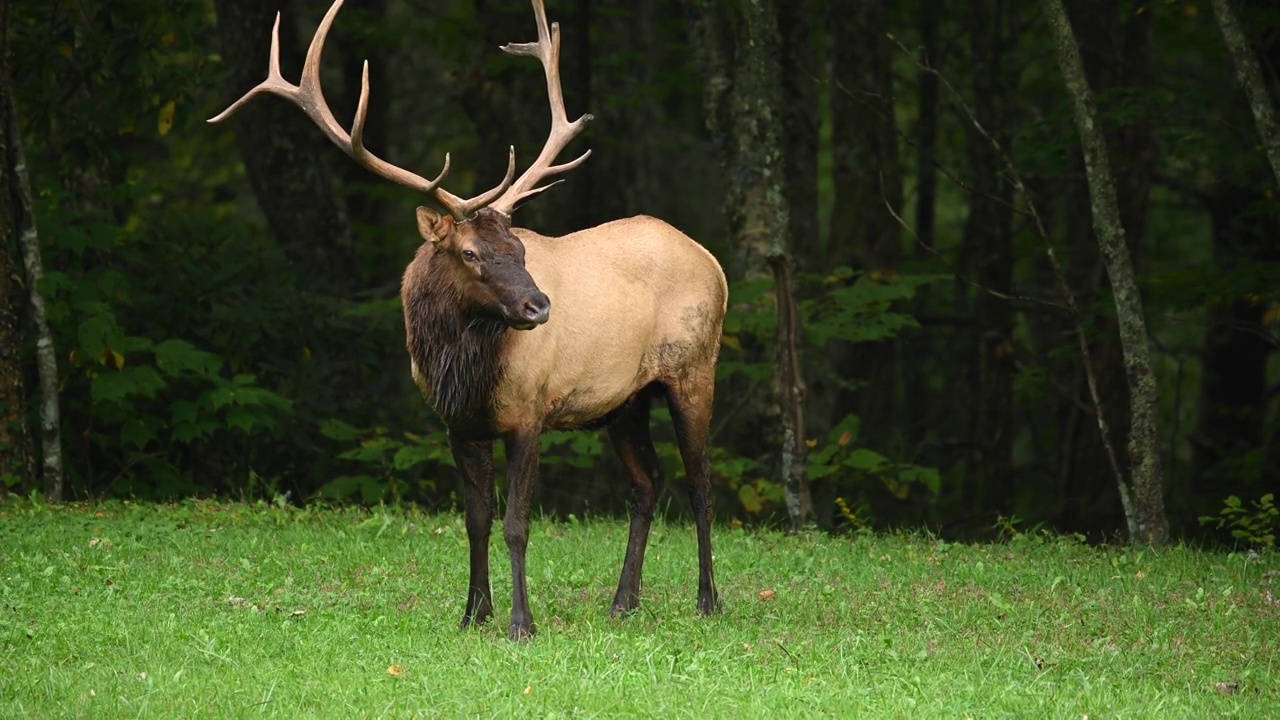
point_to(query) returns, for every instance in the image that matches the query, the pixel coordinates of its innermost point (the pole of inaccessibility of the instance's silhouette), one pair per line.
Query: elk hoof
(521, 632)
(622, 610)
(624, 603)
(477, 618)
(708, 605)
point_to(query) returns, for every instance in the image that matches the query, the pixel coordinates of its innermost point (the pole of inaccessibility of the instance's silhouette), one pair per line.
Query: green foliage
(841, 459)
(383, 461)
(845, 306)
(1254, 524)
(575, 449)
(860, 308)
(191, 354)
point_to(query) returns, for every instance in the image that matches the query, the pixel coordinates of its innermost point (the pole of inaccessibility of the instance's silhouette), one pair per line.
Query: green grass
(216, 610)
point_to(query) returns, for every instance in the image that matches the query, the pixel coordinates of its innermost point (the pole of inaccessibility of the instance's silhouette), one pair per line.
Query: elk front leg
(634, 447)
(475, 461)
(522, 479)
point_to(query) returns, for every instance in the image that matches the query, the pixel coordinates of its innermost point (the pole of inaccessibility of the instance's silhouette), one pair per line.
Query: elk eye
(468, 256)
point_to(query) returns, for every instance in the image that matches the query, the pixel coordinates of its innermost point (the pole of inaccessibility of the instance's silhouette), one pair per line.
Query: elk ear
(433, 226)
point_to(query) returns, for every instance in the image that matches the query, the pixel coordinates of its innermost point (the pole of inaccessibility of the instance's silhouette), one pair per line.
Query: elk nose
(536, 308)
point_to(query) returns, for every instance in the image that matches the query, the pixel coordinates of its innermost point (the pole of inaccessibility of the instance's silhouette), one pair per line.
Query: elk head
(483, 263)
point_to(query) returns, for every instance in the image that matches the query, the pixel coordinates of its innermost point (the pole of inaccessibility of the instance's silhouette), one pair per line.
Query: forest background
(218, 312)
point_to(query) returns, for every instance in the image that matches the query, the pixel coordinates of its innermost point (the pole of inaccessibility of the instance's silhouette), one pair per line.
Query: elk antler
(309, 96)
(547, 50)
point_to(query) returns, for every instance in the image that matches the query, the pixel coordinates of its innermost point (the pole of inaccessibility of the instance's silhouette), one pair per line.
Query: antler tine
(309, 96)
(547, 50)
(461, 209)
(275, 83)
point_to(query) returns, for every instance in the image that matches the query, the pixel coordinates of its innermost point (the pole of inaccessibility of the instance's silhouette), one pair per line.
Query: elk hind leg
(690, 401)
(629, 435)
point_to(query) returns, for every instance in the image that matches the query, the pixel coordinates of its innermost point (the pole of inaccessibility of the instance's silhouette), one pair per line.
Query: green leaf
(175, 357)
(115, 385)
(335, 429)
(344, 487)
(138, 432)
(411, 456)
(187, 423)
(586, 443)
(97, 333)
(866, 460)
(372, 450)
(249, 419)
(929, 477)
(851, 424)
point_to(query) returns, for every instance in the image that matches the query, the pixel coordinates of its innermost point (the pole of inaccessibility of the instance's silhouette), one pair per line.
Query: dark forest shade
(223, 303)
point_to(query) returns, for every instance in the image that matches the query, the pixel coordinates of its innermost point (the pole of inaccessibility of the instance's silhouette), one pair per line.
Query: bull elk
(638, 314)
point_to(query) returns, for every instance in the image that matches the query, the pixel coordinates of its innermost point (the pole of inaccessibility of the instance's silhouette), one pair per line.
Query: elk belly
(564, 387)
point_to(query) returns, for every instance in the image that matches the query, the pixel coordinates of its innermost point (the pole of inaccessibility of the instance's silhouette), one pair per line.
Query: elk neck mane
(457, 350)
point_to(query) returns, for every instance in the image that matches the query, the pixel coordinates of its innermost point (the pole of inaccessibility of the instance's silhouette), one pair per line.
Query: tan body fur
(512, 334)
(632, 301)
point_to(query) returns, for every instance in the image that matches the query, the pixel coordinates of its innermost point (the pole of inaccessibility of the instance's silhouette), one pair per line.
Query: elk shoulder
(634, 301)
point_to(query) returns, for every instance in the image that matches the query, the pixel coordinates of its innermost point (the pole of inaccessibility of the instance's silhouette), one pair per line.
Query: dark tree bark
(926, 133)
(46, 358)
(17, 471)
(284, 153)
(741, 97)
(1145, 507)
(800, 122)
(1116, 46)
(1250, 75)
(988, 257)
(868, 191)
(738, 58)
(800, 70)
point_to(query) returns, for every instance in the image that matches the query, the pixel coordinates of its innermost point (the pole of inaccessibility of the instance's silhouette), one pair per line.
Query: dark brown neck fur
(458, 350)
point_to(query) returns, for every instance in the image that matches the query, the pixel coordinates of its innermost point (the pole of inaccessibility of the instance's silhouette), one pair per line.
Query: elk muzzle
(535, 309)
(528, 310)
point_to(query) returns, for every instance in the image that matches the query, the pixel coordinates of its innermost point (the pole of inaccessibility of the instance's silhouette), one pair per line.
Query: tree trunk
(283, 152)
(868, 185)
(1146, 516)
(800, 121)
(1231, 453)
(1250, 76)
(927, 134)
(1089, 501)
(17, 471)
(46, 356)
(791, 390)
(988, 253)
(742, 91)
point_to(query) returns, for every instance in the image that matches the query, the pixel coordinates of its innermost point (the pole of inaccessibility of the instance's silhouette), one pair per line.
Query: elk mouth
(530, 312)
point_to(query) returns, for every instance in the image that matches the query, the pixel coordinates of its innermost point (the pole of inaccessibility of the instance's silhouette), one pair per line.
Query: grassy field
(218, 610)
